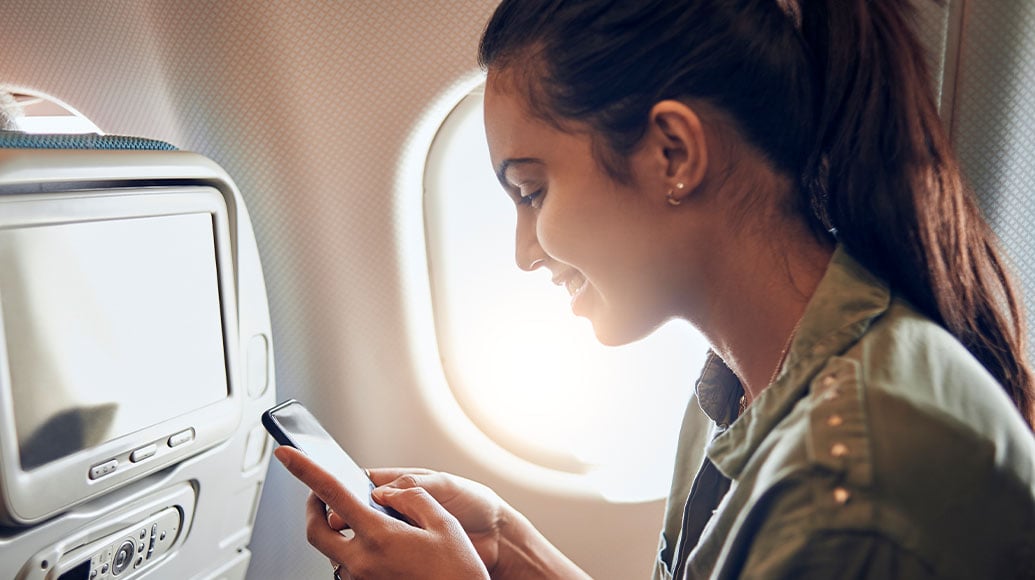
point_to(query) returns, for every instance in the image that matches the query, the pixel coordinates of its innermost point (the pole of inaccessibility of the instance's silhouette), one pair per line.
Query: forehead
(511, 128)
(506, 118)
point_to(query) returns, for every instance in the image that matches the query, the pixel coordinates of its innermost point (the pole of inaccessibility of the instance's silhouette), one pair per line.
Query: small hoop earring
(670, 196)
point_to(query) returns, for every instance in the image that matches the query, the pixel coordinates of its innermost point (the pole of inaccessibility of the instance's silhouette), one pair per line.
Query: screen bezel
(47, 490)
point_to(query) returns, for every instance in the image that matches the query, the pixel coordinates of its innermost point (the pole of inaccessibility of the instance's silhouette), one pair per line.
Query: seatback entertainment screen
(112, 326)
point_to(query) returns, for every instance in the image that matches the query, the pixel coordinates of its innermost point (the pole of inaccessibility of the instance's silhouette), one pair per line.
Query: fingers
(335, 521)
(416, 504)
(323, 537)
(442, 486)
(434, 546)
(352, 510)
(408, 480)
(382, 475)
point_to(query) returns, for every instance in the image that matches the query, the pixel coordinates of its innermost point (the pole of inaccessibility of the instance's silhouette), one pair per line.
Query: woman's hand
(478, 509)
(508, 544)
(434, 545)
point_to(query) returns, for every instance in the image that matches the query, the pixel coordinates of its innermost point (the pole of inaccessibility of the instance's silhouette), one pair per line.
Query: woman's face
(609, 244)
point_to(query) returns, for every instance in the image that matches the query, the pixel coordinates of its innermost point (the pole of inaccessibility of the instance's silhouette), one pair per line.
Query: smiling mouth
(573, 283)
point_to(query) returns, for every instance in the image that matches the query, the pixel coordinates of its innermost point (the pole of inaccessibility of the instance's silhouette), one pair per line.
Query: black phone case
(282, 438)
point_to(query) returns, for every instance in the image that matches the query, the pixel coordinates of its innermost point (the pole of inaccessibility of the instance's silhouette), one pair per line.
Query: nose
(528, 254)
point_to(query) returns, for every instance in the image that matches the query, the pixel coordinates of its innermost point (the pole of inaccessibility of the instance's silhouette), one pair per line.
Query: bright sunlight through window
(526, 371)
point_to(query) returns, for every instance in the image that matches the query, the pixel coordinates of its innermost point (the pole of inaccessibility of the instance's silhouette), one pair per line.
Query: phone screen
(292, 424)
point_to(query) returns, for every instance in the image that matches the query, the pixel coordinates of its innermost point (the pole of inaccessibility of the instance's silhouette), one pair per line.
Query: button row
(146, 452)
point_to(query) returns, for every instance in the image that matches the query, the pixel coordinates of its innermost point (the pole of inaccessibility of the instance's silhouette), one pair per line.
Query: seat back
(174, 495)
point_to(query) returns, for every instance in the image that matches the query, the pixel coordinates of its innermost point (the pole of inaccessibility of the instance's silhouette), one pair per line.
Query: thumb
(416, 504)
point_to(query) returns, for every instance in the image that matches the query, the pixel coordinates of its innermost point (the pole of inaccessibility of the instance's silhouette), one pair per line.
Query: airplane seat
(135, 361)
(94, 141)
(989, 106)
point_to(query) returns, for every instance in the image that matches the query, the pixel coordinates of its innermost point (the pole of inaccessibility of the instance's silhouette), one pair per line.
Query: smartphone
(291, 424)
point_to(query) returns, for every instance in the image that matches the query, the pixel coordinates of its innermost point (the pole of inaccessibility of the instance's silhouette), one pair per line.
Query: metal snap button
(842, 495)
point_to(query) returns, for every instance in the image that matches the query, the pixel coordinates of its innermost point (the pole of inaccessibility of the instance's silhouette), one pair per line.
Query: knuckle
(374, 543)
(413, 493)
(409, 481)
(311, 535)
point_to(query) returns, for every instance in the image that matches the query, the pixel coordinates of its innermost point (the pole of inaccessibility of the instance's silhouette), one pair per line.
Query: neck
(759, 302)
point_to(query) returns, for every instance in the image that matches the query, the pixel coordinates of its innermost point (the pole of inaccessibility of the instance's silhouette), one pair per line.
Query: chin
(608, 340)
(609, 333)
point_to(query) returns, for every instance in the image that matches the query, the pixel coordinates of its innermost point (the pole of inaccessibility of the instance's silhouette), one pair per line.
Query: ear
(678, 144)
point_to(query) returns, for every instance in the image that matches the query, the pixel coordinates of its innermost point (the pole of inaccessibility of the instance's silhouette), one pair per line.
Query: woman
(774, 172)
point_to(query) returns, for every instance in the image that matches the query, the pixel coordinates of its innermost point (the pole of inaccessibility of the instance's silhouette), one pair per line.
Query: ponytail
(883, 176)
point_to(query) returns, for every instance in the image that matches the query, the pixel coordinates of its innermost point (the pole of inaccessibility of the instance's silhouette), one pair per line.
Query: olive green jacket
(883, 450)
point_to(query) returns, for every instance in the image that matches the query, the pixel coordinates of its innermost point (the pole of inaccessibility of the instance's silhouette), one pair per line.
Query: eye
(533, 200)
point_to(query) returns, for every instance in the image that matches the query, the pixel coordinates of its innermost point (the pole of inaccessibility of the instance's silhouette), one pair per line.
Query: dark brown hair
(835, 93)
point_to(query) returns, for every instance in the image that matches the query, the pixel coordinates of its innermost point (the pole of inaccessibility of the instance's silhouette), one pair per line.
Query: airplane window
(44, 114)
(525, 370)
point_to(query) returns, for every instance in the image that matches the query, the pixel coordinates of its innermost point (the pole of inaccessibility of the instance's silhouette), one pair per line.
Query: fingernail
(282, 456)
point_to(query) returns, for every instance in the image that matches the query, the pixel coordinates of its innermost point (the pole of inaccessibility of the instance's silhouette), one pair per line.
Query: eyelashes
(533, 200)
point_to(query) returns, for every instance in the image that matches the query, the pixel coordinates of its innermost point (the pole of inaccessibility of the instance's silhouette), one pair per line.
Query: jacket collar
(845, 303)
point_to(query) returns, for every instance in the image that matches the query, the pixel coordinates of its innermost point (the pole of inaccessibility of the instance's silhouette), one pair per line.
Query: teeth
(574, 284)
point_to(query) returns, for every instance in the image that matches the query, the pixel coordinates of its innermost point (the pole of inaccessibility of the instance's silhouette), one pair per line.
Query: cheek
(592, 227)
(601, 251)
(567, 236)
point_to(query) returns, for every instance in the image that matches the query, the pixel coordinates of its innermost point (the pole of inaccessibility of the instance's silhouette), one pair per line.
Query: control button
(142, 547)
(93, 574)
(123, 558)
(162, 537)
(150, 552)
(143, 533)
(104, 568)
(258, 365)
(102, 469)
(143, 453)
(140, 561)
(180, 438)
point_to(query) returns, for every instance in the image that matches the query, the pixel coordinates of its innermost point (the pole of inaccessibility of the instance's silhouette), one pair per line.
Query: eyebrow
(501, 171)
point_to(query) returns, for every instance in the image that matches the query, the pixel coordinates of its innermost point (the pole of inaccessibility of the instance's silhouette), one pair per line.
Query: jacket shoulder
(916, 441)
